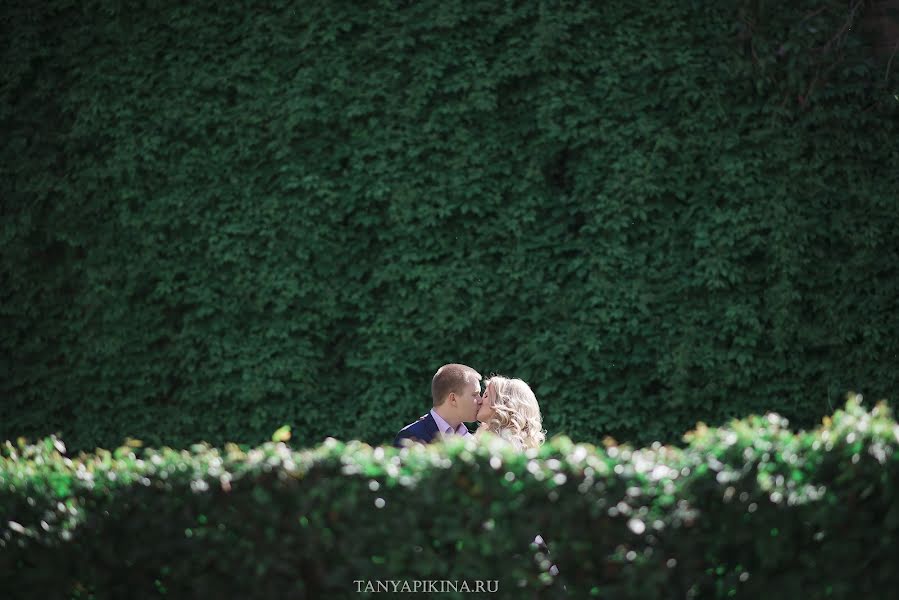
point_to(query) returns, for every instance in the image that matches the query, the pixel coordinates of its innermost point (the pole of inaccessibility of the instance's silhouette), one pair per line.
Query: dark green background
(218, 219)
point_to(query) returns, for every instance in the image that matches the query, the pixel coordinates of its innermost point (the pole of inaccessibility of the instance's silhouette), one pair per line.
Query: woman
(510, 410)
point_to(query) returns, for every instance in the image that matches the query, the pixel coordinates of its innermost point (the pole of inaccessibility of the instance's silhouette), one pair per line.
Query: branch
(890, 62)
(853, 8)
(812, 14)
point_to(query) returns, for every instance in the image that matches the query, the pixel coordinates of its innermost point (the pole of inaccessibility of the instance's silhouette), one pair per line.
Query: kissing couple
(507, 408)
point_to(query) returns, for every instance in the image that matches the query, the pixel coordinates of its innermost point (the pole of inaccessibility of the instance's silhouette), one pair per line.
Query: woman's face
(485, 412)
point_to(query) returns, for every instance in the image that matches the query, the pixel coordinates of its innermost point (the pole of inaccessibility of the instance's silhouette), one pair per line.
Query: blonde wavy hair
(516, 415)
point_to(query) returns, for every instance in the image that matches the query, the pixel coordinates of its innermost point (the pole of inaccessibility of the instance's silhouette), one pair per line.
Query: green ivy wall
(218, 218)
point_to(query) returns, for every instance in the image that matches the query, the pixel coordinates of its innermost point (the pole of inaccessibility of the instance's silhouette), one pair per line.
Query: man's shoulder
(422, 430)
(421, 423)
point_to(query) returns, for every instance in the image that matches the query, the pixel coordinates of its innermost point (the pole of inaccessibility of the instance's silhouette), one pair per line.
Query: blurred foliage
(219, 219)
(749, 510)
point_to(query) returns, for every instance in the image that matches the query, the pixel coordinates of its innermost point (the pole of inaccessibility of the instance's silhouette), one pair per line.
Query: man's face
(468, 401)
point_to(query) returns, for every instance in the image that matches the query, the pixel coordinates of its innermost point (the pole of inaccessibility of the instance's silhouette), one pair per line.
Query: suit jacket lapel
(430, 425)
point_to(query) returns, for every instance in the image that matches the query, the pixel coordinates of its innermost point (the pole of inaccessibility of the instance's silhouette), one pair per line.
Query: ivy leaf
(282, 434)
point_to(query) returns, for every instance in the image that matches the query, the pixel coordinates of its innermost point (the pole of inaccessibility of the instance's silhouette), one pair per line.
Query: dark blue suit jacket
(423, 430)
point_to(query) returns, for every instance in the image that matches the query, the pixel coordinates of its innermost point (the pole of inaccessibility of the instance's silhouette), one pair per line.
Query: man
(456, 392)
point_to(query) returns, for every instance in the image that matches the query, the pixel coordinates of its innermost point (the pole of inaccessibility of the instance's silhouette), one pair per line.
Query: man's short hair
(451, 378)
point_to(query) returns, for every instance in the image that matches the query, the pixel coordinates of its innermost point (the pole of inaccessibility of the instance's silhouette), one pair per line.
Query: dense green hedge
(749, 510)
(217, 219)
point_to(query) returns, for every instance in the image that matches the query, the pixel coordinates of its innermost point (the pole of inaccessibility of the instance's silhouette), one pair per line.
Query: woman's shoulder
(505, 434)
(512, 437)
